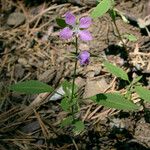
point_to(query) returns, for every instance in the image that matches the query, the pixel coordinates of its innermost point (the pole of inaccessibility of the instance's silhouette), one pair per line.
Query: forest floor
(30, 48)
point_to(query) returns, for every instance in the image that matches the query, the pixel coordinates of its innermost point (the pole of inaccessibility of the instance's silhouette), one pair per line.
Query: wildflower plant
(74, 29)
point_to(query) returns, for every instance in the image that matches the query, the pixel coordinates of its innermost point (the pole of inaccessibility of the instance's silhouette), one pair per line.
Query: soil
(30, 48)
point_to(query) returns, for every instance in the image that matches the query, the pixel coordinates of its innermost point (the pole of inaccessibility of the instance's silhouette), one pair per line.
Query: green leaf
(65, 105)
(78, 127)
(135, 80)
(130, 37)
(118, 72)
(143, 93)
(114, 100)
(67, 121)
(31, 87)
(101, 8)
(67, 87)
(61, 22)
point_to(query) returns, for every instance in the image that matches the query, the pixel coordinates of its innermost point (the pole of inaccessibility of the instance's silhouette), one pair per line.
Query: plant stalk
(74, 76)
(119, 33)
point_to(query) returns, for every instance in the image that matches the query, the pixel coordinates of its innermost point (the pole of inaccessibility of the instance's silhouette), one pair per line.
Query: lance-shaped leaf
(143, 93)
(65, 105)
(130, 37)
(101, 8)
(67, 121)
(114, 100)
(78, 127)
(118, 72)
(31, 87)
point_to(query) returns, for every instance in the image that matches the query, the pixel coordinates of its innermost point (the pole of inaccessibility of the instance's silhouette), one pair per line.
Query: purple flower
(70, 19)
(66, 33)
(84, 58)
(85, 35)
(76, 29)
(85, 22)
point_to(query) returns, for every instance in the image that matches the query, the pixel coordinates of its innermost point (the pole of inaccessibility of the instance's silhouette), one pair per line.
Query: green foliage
(130, 37)
(67, 86)
(114, 100)
(65, 104)
(67, 121)
(61, 22)
(78, 127)
(136, 80)
(101, 8)
(117, 71)
(143, 93)
(31, 87)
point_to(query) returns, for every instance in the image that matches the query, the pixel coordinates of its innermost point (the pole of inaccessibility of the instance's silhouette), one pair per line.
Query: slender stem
(119, 33)
(74, 75)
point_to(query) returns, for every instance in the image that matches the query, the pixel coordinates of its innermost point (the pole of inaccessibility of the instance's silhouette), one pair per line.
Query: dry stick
(4, 60)
(140, 53)
(87, 113)
(108, 112)
(35, 25)
(29, 109)
(9, 114)
(46, 10)
(74, 143)
(99, 107)
(147, 31)
(19, 139)
(111, 84)
(43, 127)
(39, 17)
(101, 115)
(26, 15)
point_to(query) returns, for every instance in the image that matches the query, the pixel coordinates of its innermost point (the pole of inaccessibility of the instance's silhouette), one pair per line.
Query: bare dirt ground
(30, 48)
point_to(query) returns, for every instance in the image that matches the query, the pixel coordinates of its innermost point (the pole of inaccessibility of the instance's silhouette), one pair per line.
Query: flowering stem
(74, 76)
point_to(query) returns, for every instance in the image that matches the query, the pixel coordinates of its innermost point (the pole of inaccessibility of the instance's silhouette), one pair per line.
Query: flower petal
(85, 22)
(85, 35)
(84, 58)
(70, 18)
(66, 33)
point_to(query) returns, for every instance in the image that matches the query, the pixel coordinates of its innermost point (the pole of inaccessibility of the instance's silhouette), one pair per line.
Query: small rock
(57, 96)
(94, 87)
(92, 71)
(117, 123)
(142, 133)
(16, 19)
(47, 76)
(30, 127)
(22, 61)
(80, 82)
(19, 71)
